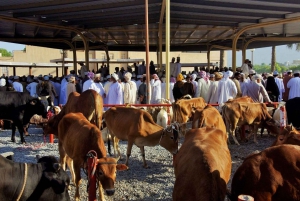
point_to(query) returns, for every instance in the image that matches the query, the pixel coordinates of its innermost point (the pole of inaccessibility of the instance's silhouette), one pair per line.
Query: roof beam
(190, 34)
(239, 5)
(173, 37)
(14, 29)
(219, 35)
(96, 36)
(100, 6)
(40, 4)
(114, 39)
(162, 11)
(127, 36)
(36, 31)
(56, 32)
(203, 36)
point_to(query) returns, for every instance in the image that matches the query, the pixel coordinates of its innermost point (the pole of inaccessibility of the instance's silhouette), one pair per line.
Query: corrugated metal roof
(120, 23)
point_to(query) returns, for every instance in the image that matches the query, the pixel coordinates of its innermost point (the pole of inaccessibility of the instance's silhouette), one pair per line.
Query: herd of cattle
(202, 164)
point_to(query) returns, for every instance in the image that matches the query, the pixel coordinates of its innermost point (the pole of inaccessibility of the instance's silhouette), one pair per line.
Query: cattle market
(182, 125)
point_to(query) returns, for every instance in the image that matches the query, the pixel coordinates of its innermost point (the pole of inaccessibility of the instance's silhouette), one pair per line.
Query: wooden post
(167, 61)
(56, 71)
(30, 70)
(14, 71)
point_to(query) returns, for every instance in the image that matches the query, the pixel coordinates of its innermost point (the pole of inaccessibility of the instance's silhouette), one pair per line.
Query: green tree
(5, 53)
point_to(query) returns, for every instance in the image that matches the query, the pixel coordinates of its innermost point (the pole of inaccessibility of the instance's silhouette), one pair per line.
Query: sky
(260, 55)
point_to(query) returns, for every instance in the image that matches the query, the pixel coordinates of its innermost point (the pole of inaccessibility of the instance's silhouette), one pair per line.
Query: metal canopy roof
(119, 24)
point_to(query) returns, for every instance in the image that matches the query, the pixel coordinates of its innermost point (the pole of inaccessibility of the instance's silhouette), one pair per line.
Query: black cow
(46, 181)
(19, 107)
(293, 111)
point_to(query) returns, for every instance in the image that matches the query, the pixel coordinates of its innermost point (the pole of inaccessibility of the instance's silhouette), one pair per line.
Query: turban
(179, 77)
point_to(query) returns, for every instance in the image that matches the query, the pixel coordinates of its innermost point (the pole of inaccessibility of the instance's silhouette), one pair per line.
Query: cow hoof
(146, 167)
(27, 135)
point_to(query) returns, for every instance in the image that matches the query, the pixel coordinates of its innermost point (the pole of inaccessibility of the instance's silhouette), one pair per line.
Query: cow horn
(56, 166)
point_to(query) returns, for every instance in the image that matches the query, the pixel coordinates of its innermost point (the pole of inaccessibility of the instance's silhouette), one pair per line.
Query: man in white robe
(99, 85)
(155, 89)
(90, 84)
(245, 68)
(130, 89)
(115, 93)
(294, 85)
(212, 95)
(280, 85)
(226, 88)
(203, 86)
(194, 76)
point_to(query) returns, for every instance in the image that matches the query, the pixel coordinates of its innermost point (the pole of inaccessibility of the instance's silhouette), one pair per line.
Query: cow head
(54, 182)
(106, 173)
(169, 138)
(35, 106)
(51, 127)
(272, 126)
(289, 135)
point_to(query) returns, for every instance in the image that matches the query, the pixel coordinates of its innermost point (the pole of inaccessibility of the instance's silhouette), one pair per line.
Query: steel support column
(160, 31)
(246, 28)
(167, 49)
(147, 51)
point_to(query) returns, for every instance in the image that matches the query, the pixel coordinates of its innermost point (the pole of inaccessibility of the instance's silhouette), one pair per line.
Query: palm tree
(273, 60)
(297, 45)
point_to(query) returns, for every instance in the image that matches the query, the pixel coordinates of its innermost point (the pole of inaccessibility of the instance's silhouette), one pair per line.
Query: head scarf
(2, 82)
(203, 75)
(218, 76)
(155, 76)
(194, 76)
(179, 77)
(91, 75)
(228, 74)
(71, 79)
(114, 75)
(128, 76)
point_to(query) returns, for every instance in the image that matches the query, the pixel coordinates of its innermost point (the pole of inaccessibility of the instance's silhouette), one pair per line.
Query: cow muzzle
(110, 192)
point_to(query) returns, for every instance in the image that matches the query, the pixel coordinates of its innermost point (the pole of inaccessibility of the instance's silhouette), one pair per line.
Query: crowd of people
(129, 86)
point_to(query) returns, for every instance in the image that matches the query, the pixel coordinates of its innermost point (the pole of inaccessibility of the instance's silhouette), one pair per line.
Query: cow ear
(33, 102)
(296, 136)
(121, 167)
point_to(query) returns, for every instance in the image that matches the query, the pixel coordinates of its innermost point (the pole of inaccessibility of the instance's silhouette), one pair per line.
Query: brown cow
(253, 114)
(77, 136)
(183, 109)
(137, 127)
(208, 117)
(244, 99)
(89, 103)
(202, 166)
(289, 135)
(271, 175)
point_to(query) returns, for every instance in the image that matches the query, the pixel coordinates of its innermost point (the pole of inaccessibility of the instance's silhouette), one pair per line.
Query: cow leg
(77, 179)
(129, 147)
(62, 155)
(13, 132)
(71, 168)
(20, 129)
(116, 146)
(142, 148)
(255, 128)
(26, 130)
(232, 131)
(262, 131)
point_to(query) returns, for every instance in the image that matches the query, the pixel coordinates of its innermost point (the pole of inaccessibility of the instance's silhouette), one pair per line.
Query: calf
(77, 136)
(44, 181)
(202, 166)
(253, 114)
(289, 135)
(183, 109)
(271, 175)
(137, 127)
(208, 117)
(89, 103)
